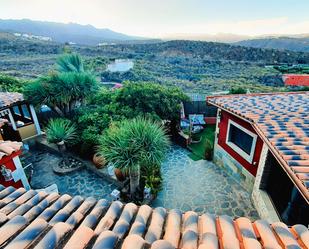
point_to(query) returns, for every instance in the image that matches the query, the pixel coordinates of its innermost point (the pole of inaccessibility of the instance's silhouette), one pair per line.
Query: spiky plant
(134, 144)
(62, 92)
(70, 63)
(61, 130)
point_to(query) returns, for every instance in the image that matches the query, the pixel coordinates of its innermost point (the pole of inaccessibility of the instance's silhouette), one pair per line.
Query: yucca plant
(61, 131)
(134, 144)
(70, 63)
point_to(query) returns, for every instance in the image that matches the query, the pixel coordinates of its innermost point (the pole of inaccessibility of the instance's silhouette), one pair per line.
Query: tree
(133, 100)
(146, 98)
(61, 92)
(132, 145)
(70, 63)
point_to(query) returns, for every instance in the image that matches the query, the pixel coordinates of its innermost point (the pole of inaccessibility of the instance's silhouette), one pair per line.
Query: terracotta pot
(61, 147)
(119, 175)
(98, 160)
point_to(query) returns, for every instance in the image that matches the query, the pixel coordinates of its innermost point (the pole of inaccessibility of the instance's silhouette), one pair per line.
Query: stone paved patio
(201, 186)
(81, 182)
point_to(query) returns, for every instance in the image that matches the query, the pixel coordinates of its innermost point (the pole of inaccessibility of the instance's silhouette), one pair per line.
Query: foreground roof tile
(53, 221)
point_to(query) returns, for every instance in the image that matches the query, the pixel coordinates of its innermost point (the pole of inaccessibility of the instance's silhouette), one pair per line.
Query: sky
(163, 18)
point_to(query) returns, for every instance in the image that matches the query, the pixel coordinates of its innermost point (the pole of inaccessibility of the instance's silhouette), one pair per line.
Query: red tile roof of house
(282, 121)
(7, 99)
(296, 79)
(8, 147)
(3, 122)
(31, 219)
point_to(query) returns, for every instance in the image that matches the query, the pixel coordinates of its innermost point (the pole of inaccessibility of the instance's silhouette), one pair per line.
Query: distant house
(22, 123)
(263, 140)
(296, 79)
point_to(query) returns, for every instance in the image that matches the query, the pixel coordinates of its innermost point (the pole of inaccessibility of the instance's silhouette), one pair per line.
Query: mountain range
(90, 35)
(61, 32)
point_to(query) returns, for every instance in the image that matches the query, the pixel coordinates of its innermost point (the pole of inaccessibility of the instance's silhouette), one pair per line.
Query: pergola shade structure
(22, 120)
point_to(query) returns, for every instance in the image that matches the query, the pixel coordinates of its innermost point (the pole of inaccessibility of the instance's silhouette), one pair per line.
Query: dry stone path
(201, 186)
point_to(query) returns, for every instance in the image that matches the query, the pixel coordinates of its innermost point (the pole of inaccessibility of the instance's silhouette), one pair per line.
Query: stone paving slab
(201, 186)
(81, 182)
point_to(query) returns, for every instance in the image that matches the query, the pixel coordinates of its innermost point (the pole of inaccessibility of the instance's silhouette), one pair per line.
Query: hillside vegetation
(199, 67)
(281, 43)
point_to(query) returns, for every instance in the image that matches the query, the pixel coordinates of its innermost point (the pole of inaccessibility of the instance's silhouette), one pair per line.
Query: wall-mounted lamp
(7, 173)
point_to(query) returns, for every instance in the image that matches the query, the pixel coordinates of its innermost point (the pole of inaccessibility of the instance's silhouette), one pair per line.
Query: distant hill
(219, 37)
(60, 32)
(299, 44)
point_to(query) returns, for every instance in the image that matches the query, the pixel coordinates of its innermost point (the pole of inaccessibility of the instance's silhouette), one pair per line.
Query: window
(241, 140)
(26, 111)
(21, 115)
(16, 110)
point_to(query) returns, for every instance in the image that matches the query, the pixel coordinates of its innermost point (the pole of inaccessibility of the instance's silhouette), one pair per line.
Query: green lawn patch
(198, 149)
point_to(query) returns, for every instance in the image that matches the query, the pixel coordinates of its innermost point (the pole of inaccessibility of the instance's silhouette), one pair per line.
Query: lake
(120, 65)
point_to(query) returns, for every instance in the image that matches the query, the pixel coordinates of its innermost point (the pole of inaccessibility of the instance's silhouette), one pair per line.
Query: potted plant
(208, 150)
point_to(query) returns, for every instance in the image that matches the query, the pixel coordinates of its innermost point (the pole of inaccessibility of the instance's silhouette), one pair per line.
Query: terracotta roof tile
(3, 122)
(106, 240)
(8, 147)
(7, 99)
(27, 236)
(53, 238)
(39, 220)
(80, 238)
(282, 121)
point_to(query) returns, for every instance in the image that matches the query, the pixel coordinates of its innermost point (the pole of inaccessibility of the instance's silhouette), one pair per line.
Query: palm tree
(62, 92)
(70, 63)
(134, 144)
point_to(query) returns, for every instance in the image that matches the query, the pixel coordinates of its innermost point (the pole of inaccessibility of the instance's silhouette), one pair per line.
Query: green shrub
(238, 90)
(208, 150)
(59, 130)
(10, 84)
(151, 175)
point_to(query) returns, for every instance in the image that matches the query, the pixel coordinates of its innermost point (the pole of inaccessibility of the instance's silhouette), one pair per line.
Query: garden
(125, 131)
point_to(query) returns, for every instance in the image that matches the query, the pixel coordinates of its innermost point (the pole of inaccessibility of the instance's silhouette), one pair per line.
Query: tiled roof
(282, 121)
(8, 147)
(31, 219)
(7, 99)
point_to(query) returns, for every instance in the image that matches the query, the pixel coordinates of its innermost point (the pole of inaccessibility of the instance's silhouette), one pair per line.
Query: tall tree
(65, 90)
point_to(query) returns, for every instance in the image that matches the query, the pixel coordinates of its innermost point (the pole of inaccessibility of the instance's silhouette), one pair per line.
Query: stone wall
(233, 167)
(260, 198)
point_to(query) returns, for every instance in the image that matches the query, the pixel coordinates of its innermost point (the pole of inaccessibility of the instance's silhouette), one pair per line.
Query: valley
(196, 67)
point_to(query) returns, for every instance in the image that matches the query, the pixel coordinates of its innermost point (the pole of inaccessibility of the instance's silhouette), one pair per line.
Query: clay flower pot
(98, 160)
(119, 175)
(61, 147)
